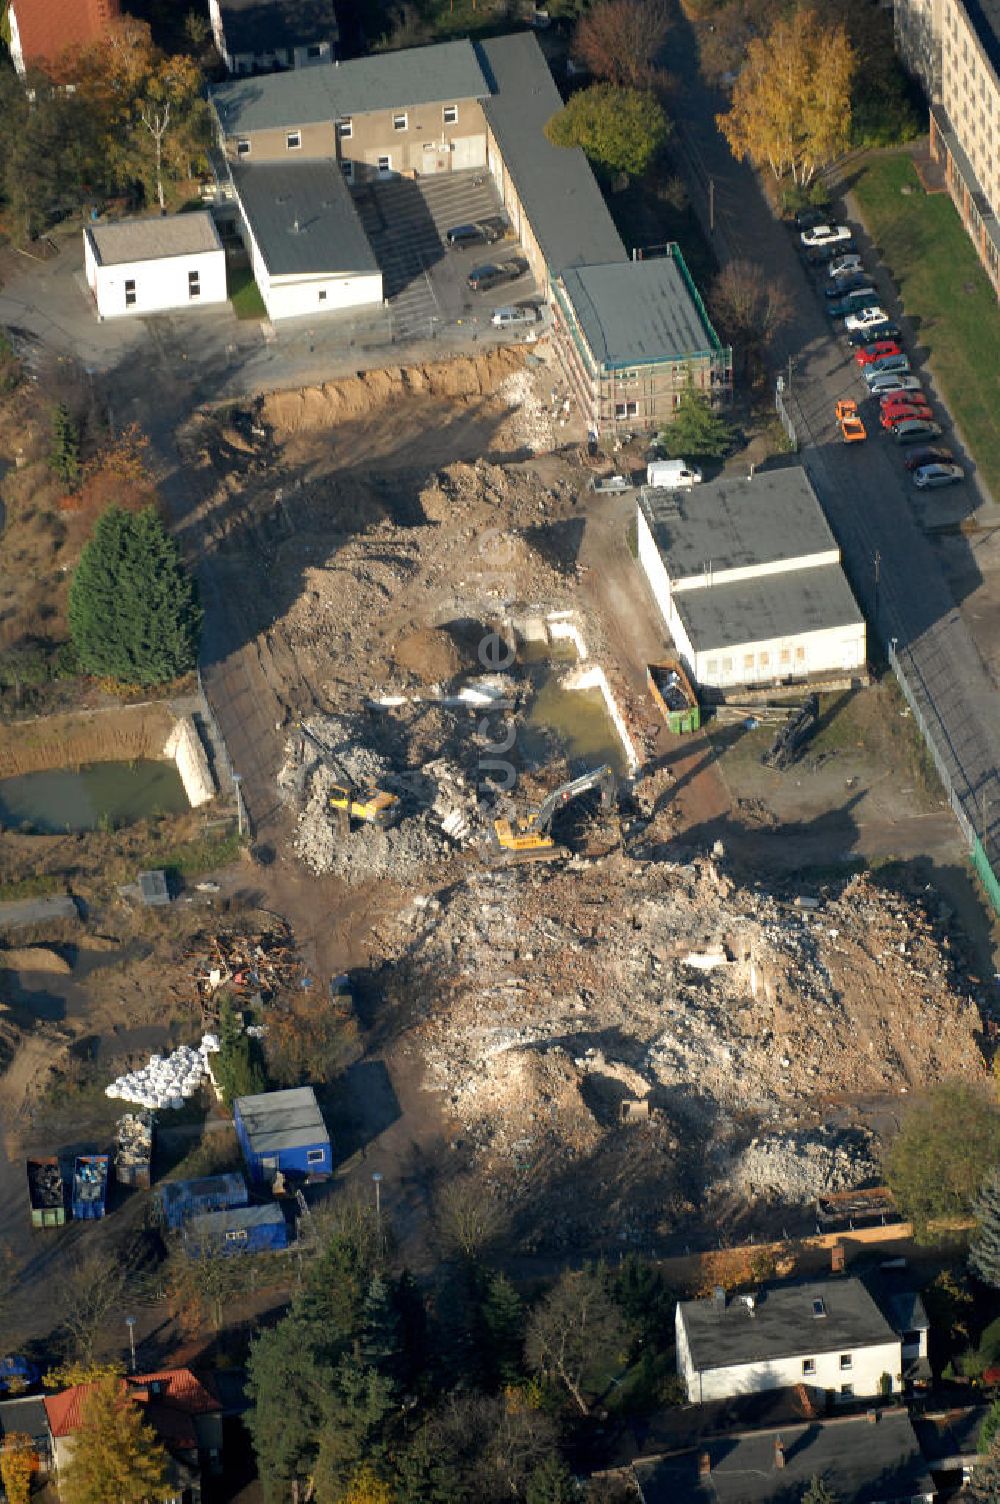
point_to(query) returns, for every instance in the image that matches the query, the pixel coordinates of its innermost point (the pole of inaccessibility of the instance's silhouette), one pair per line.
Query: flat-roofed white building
(140, 266)
(747, 577)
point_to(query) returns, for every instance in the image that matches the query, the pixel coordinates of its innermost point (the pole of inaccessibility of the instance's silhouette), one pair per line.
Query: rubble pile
(531, 424)
(550, 995)
(262, 962)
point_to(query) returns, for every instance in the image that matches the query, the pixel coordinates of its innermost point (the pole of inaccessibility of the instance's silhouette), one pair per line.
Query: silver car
(937, 475)
(887, 383)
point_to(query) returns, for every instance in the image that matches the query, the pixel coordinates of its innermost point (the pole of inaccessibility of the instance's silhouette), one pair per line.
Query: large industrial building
(630, 334)
(747, 577)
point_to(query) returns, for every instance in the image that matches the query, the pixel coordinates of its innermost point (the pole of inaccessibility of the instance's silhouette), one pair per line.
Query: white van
(514, 315)
(672, 475)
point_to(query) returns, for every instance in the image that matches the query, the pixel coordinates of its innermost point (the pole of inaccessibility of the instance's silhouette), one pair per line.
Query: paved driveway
(867, 498)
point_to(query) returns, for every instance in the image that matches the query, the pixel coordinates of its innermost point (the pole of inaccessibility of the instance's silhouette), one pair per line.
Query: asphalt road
(864, 490)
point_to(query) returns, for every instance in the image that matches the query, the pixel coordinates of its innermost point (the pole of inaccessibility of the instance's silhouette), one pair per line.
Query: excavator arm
(373, 805)
(529, 839)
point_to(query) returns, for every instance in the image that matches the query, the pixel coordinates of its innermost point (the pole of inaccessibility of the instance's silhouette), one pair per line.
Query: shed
(180, 1199)
(238, 1229)
(282, 1130)
(139, 266)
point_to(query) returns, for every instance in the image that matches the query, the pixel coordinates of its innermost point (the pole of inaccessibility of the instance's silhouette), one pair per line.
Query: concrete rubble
(548, 996)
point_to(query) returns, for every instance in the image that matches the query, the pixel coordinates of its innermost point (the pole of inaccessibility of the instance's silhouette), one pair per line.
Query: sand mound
(34, 958)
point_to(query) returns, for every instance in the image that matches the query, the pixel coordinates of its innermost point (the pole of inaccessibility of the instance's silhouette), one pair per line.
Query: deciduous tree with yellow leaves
(791, 107)
(19, 1462)
(116, 1457)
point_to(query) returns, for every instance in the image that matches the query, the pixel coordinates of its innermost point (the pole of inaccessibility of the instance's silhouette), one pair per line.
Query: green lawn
(946, 292)
(243, 294)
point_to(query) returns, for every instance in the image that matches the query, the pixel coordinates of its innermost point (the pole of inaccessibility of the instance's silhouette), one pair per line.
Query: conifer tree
(64, 456)
(819, 1492)
(984, 1249)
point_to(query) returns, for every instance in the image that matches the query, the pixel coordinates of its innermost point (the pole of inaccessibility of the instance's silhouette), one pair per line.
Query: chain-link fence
(226, 775)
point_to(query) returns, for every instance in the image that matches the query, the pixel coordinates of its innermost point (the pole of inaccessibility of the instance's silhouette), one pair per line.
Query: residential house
(238, 1229)
(25, 1416)
(135, 267)
(282, 1130)
(42, 30)
(949, 1440)
(826, 1334)
(953, 47)
(183, 1411)
(873, 1459)
(258, 35)
(629, 334)
(747, 577)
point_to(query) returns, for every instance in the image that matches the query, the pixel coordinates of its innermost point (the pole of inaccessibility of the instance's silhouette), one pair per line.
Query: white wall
(299, 297)
(834, 650)
(868, 1364)
(159, 285)
(16, 51)
(653, 566)
(756, 571)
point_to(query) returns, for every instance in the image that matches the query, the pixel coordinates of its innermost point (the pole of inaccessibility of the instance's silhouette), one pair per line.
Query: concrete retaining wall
(594, 677)
(184, 748)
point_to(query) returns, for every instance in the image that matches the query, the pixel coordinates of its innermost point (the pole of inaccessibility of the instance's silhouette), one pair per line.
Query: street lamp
(130, 1323)
(377, 1181)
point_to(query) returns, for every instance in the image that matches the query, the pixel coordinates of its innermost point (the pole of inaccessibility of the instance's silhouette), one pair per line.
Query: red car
(905, 399)
(868, 353)
(900, 414)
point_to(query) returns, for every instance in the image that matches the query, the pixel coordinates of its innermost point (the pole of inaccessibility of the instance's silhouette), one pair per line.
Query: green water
(102, 794)
(580, 722)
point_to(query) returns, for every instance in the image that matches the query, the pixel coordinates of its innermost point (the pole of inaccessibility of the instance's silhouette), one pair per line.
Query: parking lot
(406, 222)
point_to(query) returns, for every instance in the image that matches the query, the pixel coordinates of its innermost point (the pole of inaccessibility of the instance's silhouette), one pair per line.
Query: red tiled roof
(47, 27)
(183, 1393)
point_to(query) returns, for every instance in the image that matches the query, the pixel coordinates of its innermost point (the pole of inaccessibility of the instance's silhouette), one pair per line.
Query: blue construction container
(238, 1229)
(90, 1186)
(180, 1199)
(283, 1130)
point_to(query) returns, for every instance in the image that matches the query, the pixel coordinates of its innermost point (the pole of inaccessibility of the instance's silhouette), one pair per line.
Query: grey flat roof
(782, 1324)
(283, 1120)
(735, 523)
(761, 610)
(951, 1433)
(861, 1462)
(303, 217)
(442, 74)
(211, 1225)
(636, 311)
(555, 184)
(26, 1414)
(154, 239)
(262, 25)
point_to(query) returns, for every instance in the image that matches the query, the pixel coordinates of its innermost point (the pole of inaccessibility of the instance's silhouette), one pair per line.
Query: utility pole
(711, 206)
(377, 1179)
(130, 1323)
(239, 801)
(878, 572)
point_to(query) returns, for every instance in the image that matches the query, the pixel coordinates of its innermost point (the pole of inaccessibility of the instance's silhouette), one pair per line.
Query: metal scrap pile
(134, 1146)
(46, 1183)
(260, 964)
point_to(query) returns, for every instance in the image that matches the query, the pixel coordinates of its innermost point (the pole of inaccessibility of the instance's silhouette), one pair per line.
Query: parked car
(888, 330)
(865, 318)
(809, 218)
(819, 255)
(905, 399)
(825, 234)
(610, 483)
(481, 232)
(854, 302)
(882, 363)
(849, 282)
(876, 350)
(845, 266)
(914, 429)
(928, 476)
(492, 273)
(888, 383)
(928, 454)
(514, 316)
(891, 418)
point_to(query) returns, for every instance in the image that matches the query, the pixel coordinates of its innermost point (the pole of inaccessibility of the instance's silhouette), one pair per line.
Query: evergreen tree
(237, 1067)
(116, 1456)
(380, 1327)
(552, 1483)
(64, 455)
(819, 1492)
(503, 1322)
(286, 1385)
(355, 1426)
(425, 1471)
(697, 431)
(984, 1249)
(133, 609)
(985, 1485)
(413, 1337)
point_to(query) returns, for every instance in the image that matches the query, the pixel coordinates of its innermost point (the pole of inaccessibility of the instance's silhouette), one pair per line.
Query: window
(293, 140)
(315, 1156)
(347, 168)
(846, 1391)
(846, 1362)
(808, 1366)
(727, 665)
(450, 114)
(711, 665)
(385, 164)
(800, 654)
(194, 284)
(819, 1308)
(314, 51)
(765, 659)
(236, 1235)
(748, 660)
(399, 122)
(243, 148)
(345, 128)
(130, 292)
(626, 409)
(322, 294)
(786, 655)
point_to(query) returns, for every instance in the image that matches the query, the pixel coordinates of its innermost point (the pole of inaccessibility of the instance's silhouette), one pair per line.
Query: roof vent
(819, 1307)
(719, 1298)
(751, 1305)
(295, 225)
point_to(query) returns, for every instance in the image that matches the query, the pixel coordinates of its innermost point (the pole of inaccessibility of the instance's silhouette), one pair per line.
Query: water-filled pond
(101, 794)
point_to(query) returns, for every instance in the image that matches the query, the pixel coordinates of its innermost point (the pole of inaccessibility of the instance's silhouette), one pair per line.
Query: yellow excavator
(529, 839)
(372, 805)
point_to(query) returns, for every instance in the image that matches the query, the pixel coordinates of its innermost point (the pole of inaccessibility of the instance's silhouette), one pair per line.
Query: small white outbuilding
(140, 266)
